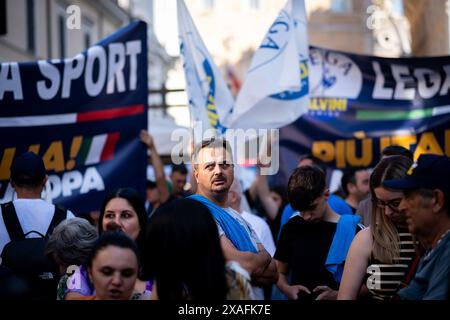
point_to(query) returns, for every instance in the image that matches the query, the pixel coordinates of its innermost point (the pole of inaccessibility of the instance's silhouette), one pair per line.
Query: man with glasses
(426, 205)
(313, 245)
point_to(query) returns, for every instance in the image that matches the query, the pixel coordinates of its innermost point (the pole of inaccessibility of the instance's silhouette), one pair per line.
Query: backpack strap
(12, 222)
(59, 215)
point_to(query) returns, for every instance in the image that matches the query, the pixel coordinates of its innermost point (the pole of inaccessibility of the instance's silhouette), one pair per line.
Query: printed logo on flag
(277, 39)
(304, 89)
(210, 99)
(203, 78)
(334, 75)
(213, 116)
(276, 88)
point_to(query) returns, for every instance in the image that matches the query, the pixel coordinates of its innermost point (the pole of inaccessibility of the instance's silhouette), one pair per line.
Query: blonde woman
(381, 256)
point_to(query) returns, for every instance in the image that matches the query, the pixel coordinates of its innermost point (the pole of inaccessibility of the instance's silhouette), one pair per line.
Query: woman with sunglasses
(381, 256)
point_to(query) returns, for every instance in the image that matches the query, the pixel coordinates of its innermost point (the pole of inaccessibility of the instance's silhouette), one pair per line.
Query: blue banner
(360, 104)
(83, 116)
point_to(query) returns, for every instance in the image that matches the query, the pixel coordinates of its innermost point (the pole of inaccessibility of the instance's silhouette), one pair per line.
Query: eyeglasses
(392, 204)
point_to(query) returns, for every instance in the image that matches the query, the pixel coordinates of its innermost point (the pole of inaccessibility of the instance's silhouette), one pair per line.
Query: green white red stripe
(69, 118)
(98, 148)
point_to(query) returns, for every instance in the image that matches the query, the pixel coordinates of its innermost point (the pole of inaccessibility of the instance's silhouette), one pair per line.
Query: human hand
(292, 292)
(147, 139)
(325, 293)
(263, 162)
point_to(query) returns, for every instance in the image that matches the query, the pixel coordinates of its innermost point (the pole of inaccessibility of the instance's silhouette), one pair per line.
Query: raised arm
(355, 266)
(160, 176)
(263, 192)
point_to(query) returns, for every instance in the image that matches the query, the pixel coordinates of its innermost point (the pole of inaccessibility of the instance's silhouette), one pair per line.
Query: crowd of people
(384, 235)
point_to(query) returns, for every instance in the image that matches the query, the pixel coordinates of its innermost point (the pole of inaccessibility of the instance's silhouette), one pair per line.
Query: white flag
(275, 90)
(210, 99)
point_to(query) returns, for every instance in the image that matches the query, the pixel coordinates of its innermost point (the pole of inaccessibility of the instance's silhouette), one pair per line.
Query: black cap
(432, 172)
(28, 169)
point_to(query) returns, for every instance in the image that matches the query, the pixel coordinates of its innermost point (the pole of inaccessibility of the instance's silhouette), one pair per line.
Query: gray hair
(213, 142)
(71, 241)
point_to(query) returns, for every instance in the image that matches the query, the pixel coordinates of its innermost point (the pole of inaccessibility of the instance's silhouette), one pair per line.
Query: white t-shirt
(262, 230)
(33, 214)
(253, 237)
(258, 292)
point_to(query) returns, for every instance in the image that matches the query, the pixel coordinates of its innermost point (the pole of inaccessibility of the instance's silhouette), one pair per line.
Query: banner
(361, 104)
(275, 89)
(82, 116)
(210, 99)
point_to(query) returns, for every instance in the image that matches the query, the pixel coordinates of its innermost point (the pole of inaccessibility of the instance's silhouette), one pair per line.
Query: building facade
(430, 26)
(47, 29)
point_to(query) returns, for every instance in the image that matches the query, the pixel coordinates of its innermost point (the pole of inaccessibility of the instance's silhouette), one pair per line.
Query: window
(62, 35)
(31, 40)
(88, 32)
(87, 40)
(62, 32)
(3, 17)
(340, 6)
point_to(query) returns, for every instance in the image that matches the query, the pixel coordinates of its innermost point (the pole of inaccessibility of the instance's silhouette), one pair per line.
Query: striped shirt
(384, 280)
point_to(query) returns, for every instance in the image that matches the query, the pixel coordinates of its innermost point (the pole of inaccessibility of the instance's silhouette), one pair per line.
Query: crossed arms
(260, 266)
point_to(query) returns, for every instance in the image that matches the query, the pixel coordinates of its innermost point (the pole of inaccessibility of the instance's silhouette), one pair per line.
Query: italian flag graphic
(98, 148)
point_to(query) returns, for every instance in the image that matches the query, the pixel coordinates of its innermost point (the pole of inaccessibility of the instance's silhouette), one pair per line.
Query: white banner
(275, 90)
(210, 100)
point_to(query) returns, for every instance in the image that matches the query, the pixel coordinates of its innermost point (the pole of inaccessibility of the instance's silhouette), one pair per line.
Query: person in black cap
(28, 178)
(25, 225)
(426, 204)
